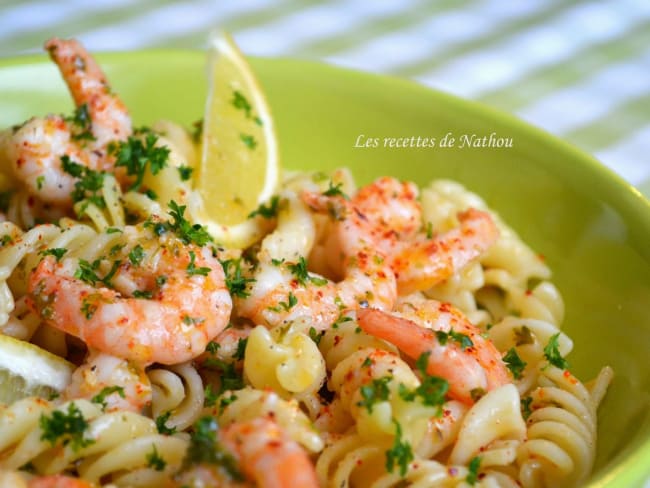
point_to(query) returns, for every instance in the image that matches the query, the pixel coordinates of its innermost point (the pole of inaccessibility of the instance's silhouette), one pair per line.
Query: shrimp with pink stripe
(386, 216)
(456, 349)
(37, 147)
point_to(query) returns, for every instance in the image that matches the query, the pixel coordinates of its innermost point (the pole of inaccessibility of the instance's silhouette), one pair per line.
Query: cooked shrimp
(263, 454)
(37, 146)
(268, 456)
(282, 290)
(182, 300)
(124, 385)
(470, 369)
(387, 217)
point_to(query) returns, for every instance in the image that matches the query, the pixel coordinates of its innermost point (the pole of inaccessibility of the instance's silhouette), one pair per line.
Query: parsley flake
(237, 284)
(69, 427)
(400, 454)
(514, 363)
(472, 475)
(136, 156)
(57, 252)
(463, 340)
(552, 352)
(375, 392)
(269, 211)
(100, 398)
(335, 191)
(205, 449)
(155, 461)
(161, 424)
(136, 255)
(185, 172)
(192, 270)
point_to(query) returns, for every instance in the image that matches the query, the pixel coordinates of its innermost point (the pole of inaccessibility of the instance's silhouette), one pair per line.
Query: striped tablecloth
(579, 69)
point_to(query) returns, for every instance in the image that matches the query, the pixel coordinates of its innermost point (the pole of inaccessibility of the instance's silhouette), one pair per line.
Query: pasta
(372, 336)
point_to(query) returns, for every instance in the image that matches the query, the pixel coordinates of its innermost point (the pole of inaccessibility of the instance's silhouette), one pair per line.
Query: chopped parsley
(514, 363)
(187, 320)
(525, 407)
(552, 352)
(240, 102)
(113, 230)
(136, 156)
(86, 272)
(375, 392)
(88, 308)
(7, 239)
(69, 427)
(81, 119)
(155, 461)
(39, 181)
(400, 454)
(143, 294)
(432, 390)
(136, 255)
(90, 183)
(212, 347)
(429, 230)
(366, 362)
(237, 284)
(315, 336)
(231, 378)
(248, 140)
(204, 448)
(286, 306)
(299, 270)
(463, 340)
(241, 349)
(192, 270)
(161, 424)
(210, 397)
(57, 252)
(269, 211)
(187, 232)
(100, 398)
(472, 475)
(335, 191)
(185, 172)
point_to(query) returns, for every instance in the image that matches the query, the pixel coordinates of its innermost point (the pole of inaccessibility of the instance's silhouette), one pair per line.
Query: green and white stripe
(579, 69)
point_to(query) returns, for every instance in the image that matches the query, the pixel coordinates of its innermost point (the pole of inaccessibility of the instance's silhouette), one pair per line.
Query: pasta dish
(379, 336)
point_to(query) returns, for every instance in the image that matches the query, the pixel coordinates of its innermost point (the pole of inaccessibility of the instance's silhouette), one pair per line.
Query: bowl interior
(593, 228)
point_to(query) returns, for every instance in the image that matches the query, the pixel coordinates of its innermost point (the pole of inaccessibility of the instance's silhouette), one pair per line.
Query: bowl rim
(629, 202)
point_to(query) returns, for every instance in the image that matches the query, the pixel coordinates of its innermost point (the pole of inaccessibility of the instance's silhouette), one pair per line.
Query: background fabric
(579, 69)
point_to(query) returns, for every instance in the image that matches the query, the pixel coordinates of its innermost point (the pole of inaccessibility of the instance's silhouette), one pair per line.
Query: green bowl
(593, 228)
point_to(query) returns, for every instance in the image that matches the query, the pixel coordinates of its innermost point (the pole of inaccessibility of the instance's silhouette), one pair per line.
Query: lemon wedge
(27, 370)
(238, 169)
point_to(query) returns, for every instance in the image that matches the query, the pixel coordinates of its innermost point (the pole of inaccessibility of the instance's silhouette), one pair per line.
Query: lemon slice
(26, 370)
(239, 158)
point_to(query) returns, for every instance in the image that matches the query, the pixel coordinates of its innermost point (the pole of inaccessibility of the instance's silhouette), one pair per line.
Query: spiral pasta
(98, 445)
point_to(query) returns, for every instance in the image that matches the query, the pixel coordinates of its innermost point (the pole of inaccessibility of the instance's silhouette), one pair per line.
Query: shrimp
(263, 452)
(283, 290)
(36, 147)
(122, 385)
(166, 308)
(426, 327)
(387, 217)
(268, 455)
